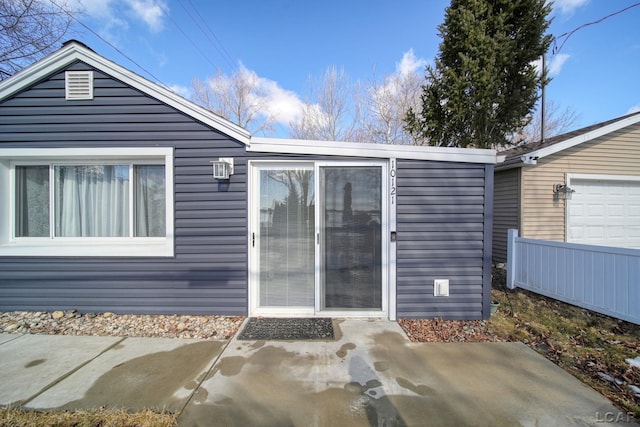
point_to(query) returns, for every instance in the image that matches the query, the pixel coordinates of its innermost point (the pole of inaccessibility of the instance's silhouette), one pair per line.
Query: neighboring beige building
(598, 166)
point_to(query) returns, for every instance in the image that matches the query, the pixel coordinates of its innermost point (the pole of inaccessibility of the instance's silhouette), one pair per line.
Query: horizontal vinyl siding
(441, 235)
(614, 154)
(208, 274)
(506, 201)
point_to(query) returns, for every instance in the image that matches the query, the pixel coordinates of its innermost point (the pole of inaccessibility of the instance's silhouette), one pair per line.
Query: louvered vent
(79, 84)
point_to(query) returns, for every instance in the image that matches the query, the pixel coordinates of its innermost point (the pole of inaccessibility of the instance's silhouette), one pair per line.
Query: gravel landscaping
(214, 327)
(122, 325)
(438, 330)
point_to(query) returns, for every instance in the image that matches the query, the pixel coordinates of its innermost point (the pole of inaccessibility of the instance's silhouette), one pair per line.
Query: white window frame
(83, 246)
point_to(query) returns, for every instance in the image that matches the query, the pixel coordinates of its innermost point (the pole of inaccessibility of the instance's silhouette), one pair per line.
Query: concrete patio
(370, 375)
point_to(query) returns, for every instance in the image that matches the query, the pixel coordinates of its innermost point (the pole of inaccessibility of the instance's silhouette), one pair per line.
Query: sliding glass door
(316, 238)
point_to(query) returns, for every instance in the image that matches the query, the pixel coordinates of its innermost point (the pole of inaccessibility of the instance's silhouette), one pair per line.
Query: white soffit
(74, 51)
(385, 151)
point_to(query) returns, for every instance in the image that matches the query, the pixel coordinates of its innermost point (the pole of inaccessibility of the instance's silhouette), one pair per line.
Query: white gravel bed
(121, 325)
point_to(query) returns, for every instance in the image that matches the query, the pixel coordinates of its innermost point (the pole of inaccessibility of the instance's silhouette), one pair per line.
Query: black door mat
(273, 328)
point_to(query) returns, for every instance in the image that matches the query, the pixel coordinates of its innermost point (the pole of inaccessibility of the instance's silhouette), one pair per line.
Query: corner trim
(488, 241)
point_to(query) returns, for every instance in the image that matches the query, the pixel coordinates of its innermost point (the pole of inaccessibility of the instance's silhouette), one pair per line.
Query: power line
(204, 55)
(107, 42)
(209, 33)
(568, 34)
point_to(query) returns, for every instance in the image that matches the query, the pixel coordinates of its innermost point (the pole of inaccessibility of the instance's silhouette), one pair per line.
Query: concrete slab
(137, 373)
(31, 363)
(372, 375)
(8, 337)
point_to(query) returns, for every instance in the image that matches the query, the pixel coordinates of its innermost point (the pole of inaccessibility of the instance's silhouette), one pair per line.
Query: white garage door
(604, 212)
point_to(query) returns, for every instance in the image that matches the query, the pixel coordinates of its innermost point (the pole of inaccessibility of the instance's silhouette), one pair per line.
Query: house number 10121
(392, 187)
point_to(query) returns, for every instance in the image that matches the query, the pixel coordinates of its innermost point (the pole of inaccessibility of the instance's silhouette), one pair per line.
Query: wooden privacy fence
(599, 278)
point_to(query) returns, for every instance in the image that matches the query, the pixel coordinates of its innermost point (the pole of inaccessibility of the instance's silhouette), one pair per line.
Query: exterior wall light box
(222, 168)
(562, 192)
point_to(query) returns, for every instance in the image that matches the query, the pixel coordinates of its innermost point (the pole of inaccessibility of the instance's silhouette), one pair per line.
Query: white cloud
(96, 8)
(408, 76)
(151, 12)
(120, 13)
(634, 109)
(409, 63)
(183, 91)
(568, 6)
(554, 64)
(285, 104)
(111, 23)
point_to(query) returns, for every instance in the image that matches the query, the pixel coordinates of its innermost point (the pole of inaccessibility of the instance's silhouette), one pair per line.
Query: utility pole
(543, 80)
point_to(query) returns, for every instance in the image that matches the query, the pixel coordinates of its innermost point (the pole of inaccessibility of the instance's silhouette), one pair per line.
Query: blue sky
(596, 73)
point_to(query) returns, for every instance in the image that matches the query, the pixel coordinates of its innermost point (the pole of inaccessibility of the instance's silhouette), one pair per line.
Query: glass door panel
(351, 230)
(286, 237)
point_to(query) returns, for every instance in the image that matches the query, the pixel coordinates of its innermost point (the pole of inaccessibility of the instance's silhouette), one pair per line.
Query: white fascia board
(73, 52)
(576, 140)
(384, 151)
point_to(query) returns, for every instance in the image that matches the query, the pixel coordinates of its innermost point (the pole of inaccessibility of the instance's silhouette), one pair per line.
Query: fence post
(511, 258)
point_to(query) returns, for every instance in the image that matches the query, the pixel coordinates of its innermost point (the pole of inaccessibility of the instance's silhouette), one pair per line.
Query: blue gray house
(119, 195)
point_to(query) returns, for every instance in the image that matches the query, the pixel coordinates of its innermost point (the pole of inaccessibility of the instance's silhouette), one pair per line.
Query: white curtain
(92, 201)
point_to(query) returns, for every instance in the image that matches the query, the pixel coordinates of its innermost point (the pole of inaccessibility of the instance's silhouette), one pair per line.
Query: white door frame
(388, 207)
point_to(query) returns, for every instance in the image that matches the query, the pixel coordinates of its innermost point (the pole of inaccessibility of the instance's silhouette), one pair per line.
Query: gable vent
(78, 85)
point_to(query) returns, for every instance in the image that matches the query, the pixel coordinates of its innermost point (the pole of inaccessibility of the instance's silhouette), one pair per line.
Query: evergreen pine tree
(483, 84)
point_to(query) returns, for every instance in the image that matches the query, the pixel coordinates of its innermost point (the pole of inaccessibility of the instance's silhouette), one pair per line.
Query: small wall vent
(78, 85)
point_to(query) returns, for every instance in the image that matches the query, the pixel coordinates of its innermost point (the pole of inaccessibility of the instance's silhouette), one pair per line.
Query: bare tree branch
(556, 122)
(385, 106)
(328, 113)
(30, 30)
(238, 98)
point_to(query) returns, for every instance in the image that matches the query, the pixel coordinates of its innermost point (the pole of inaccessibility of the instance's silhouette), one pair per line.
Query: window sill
(94, 248)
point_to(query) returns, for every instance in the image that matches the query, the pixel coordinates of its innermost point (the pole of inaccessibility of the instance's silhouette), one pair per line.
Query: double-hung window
(94, 205)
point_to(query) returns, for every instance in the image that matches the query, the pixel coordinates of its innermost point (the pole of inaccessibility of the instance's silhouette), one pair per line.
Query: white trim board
(596, 177)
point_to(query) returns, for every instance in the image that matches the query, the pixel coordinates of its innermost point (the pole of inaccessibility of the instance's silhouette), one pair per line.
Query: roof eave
(532, 157)
(357, 149)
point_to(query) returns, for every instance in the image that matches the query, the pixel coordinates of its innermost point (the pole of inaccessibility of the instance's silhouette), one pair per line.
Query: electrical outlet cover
(441, 287)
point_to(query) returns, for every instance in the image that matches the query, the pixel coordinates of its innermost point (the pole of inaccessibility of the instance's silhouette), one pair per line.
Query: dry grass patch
(12, 417)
